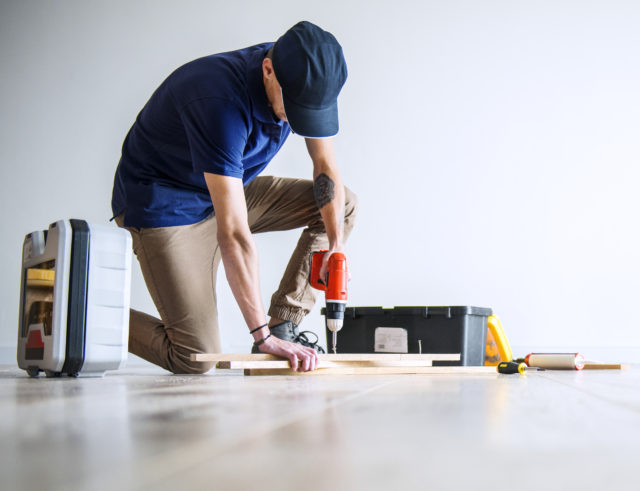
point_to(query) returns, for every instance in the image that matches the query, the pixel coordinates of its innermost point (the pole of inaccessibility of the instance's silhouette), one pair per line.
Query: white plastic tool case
(74, 301)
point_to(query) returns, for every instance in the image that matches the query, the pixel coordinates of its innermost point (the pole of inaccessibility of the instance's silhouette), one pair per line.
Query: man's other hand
(302, 359)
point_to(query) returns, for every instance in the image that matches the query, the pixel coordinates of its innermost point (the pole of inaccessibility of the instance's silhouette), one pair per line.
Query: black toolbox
(416, 330)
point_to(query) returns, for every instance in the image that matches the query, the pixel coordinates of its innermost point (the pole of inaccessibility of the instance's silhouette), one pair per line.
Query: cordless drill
(334, 284)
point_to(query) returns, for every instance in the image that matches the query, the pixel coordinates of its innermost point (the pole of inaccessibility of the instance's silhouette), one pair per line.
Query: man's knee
(182, 364)
(181, 355)
(192, 367)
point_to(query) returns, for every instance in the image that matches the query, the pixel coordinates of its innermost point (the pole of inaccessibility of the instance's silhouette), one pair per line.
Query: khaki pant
(180, 265)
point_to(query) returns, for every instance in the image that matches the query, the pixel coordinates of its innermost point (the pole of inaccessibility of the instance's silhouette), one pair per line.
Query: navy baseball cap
(310, 67)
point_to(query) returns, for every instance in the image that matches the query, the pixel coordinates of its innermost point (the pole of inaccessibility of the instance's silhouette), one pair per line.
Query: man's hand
(302, 359)
(325, 263)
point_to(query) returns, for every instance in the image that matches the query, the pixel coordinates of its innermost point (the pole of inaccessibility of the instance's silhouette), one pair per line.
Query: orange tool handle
(314, 278)
(335, 282)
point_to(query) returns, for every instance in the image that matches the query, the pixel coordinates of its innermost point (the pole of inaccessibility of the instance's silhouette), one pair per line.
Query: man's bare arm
(240, 259)
(237, 246)
(328, 191)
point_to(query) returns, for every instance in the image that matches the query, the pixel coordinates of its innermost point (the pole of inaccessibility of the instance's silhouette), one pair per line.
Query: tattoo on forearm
(323, 190)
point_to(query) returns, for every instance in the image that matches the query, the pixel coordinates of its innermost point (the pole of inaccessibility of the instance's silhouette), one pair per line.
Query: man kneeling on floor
(188, 190)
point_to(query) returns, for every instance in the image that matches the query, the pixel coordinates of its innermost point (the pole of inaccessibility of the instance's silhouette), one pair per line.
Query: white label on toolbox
(391, 340)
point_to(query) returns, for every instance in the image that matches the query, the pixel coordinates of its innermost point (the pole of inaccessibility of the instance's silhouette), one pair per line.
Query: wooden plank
(218, 357)
(285, 364)
(605, 366)
(355, 370)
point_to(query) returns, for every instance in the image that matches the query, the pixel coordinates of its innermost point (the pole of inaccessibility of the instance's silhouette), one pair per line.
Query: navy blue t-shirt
(210, 115)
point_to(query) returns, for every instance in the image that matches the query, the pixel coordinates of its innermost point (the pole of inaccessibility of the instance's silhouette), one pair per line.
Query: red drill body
(335, 287)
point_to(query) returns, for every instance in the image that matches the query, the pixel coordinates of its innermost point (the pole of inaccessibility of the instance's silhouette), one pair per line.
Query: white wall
(494, 146)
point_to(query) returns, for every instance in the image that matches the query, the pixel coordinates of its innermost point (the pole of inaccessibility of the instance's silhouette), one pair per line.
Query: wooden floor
(144, 429)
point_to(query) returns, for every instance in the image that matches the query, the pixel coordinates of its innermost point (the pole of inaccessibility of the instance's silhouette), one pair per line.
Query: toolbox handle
(422, 311)
(441, 311)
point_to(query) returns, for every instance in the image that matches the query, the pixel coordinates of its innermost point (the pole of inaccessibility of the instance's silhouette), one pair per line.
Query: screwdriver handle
(511, 367)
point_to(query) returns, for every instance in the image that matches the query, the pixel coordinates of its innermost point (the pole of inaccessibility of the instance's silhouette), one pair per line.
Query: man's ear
(267, 67)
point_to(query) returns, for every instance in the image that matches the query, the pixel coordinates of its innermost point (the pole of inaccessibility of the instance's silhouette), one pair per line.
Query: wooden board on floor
(353, 357)
(284, 364)
(360, 370)
(343, 364)
(262, 361)
(605, 366)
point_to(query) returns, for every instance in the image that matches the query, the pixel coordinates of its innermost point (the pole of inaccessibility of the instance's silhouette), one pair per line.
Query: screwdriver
(511, 367)
(514, 367)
